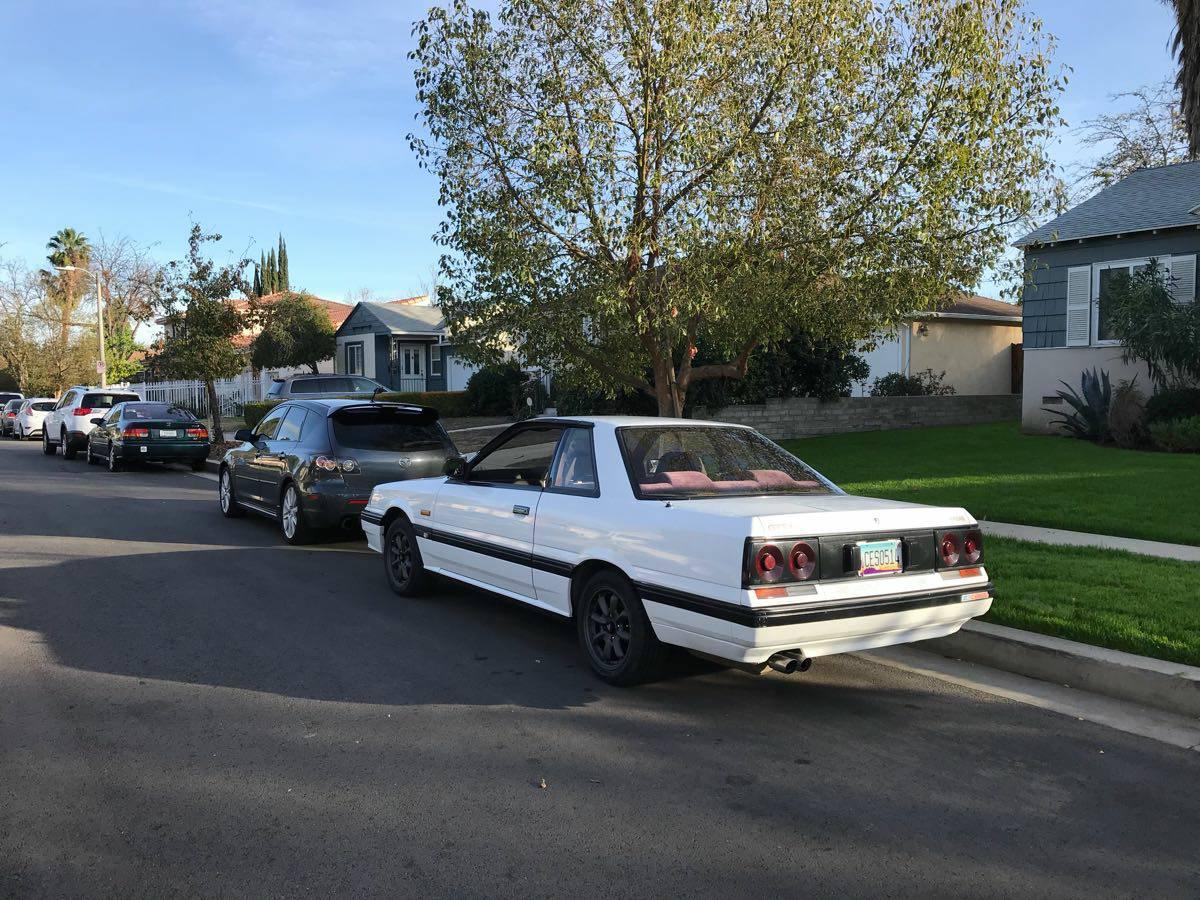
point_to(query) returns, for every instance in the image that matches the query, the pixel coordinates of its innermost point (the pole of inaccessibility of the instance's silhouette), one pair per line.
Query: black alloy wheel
(402, 560)
(614, 631)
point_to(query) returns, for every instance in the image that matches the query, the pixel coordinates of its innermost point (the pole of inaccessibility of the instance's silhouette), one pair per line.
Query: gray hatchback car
(312, 464)
(315, 387)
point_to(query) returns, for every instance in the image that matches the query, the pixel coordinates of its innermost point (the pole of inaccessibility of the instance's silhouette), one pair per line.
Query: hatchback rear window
(43, 406)
(107, 401)
(382, 428)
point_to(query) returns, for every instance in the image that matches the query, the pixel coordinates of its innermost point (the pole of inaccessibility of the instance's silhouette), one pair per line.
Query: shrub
(924, 384)
(1088, 418)
(253, 411)
(1173, 403)
(449, 404)
(1178, 435)
(584, 402)
(1164, 334)
(1127, 416)
(494, 390)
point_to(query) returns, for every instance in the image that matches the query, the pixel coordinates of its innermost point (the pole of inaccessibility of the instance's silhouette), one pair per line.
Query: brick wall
(807, 417)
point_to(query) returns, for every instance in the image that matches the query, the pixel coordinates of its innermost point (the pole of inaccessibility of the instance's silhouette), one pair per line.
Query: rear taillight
(972, 547)
(81, 411)
(333, 464)
(949, 549)
(198, 433)
(135, 431)
(780, 562)
(12, 415)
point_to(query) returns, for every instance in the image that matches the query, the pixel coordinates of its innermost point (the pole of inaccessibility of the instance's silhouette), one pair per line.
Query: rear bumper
(157, 452)
(332, 506)
(753, 636)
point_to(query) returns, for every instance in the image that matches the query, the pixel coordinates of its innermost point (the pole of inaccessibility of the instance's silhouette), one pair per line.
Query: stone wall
(807, 417)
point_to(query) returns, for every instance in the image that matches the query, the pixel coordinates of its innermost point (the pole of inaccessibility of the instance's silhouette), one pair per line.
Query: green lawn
(1000, 474)
(1140, 604)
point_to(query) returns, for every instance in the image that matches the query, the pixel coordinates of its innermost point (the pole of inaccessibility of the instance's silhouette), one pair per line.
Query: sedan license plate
(166, 432)
(879, 557)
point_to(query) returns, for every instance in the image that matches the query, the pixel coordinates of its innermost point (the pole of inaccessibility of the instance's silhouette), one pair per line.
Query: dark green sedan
(312, 464)
(140, 432)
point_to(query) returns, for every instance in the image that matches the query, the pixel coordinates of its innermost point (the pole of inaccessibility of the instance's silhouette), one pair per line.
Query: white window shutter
(1183, 278)
(1079, 305)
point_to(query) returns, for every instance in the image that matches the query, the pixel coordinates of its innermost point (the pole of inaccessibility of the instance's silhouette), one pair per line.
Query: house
(1150, 214)
(401, 343)
(974, 340)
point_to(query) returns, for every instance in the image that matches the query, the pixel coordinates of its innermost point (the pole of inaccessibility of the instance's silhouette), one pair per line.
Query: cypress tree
(272, 284)
(262, 273)
(284, 282)
(257, 282)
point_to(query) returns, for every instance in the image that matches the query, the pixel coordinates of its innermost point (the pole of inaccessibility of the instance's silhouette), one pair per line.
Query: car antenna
(375, 394)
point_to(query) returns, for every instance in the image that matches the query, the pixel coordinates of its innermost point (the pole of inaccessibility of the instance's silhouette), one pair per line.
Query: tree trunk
(315, 370)
(214, 410)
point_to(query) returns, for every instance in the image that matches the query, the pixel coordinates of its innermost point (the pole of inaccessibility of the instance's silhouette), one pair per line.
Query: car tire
(47, 447)
(67, 450)
(114, 464)
(291, 517)
(230, 508)
(615, 633)
(402, 561)
(91, 457)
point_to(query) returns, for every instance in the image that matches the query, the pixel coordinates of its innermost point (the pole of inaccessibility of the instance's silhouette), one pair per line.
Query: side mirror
(245, 435)
(98, 421)
(455, 467)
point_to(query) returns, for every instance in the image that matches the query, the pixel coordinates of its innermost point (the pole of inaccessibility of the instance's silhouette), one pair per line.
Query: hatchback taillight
(333, 464)
(81, 411)
(135, 431)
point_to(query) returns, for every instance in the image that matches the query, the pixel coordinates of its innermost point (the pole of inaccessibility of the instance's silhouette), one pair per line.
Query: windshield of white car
(686, 462)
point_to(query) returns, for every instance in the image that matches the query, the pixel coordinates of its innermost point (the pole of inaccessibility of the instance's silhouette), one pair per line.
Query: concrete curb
(212, 465)
(1168, 686)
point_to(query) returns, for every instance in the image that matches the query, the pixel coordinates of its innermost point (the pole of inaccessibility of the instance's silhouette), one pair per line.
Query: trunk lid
(805, 514)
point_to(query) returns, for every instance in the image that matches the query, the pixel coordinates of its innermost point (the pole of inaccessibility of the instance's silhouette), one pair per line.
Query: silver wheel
(289, 515)
(113, 465)
(226, 492)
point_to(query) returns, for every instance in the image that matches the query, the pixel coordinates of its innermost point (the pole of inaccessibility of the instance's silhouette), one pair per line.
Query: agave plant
(1088, 418)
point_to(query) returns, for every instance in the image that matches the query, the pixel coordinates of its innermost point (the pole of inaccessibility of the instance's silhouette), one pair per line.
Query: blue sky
(255, 117)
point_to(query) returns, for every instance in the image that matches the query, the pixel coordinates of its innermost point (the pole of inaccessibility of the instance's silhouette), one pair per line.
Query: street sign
(100, 368)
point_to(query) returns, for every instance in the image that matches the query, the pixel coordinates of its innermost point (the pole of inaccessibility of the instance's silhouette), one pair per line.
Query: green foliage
(1173, 403)
(495, 390)
(449, 404)
(1088, 417)
(626, 184)
(1164, 334)
(1127, 416)
(1177, 435)
(801, 366)
(923, 384)
(284, 283)
(580, 401)
(296, 331)
(254, 410)
(201, 323)
(119, 347)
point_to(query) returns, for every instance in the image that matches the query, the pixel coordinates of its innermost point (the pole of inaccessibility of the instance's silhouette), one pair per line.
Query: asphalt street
(188, 707)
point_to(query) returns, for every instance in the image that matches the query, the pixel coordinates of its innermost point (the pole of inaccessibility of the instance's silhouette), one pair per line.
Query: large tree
(627, 181)
(1148, 131)
(296, 332)
(65, 289)
(203, 320)
(1186, 45)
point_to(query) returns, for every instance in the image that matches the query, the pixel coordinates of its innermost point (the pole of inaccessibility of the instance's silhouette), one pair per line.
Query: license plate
(879, 557)
(166, 432)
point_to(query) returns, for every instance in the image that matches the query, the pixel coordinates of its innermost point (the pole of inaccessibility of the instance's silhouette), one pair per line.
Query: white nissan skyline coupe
(673, 531)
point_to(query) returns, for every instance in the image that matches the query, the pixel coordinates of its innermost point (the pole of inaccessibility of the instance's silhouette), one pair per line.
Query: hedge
(449, 404)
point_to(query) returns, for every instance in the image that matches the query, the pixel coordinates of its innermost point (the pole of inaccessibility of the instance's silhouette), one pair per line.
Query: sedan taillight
(780, 562)
(200, 434)
(135, 431)
(959, 548)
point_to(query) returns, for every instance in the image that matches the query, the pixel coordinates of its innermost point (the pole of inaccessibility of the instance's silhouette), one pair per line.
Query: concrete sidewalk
(1083, 539)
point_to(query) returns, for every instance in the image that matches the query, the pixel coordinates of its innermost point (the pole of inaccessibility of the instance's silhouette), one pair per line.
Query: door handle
(520, 510)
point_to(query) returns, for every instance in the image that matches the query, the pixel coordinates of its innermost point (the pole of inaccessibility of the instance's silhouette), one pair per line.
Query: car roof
(615, 422)
(333, 404)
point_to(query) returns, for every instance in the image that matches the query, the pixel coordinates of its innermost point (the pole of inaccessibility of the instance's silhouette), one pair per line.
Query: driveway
(190, 708)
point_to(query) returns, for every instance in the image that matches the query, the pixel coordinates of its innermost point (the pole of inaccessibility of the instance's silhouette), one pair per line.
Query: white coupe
(671, 531)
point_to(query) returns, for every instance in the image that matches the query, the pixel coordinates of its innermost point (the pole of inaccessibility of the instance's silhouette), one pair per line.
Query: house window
(435, 359)
(354, 359)
(1106, 276)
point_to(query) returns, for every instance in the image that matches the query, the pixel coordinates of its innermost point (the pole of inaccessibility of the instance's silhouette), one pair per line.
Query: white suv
(70, 422)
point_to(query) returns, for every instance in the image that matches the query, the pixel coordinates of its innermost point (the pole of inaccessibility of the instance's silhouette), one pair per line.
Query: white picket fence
(232, 393)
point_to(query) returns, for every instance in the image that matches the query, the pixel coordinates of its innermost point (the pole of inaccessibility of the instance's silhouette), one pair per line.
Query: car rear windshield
(386, 428)
(42, 406)
(107, 401)
(667, 462)
(157, 411)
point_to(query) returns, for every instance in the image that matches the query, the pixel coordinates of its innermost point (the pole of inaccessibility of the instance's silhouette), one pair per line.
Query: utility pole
(102, 366)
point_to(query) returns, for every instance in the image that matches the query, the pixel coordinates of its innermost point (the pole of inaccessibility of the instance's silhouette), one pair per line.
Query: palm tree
(69, 247)
(1186, 46)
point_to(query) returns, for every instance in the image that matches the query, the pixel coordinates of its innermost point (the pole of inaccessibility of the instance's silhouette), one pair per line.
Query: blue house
(402, 344)
(1070, 262)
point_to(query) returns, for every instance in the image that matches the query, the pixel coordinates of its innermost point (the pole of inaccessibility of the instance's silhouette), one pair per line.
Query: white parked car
(30, 417)
(70, 422)
(672, 531)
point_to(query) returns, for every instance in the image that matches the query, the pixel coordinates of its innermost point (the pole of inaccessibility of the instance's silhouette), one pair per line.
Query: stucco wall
(807, 417)
(1044, 369)
(976, 357)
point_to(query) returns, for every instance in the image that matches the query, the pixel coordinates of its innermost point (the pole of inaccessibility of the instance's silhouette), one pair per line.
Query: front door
(484, 523)
(408, 366)
(252, 470)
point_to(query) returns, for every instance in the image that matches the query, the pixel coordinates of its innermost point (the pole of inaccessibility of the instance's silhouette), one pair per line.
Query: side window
(270, 422)
(336, 386)
(363, 385)
(306, 386)
(113, 415)
(314, 431)
(575, 466)
(67, 398)
(292, 425)
(522, 460)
